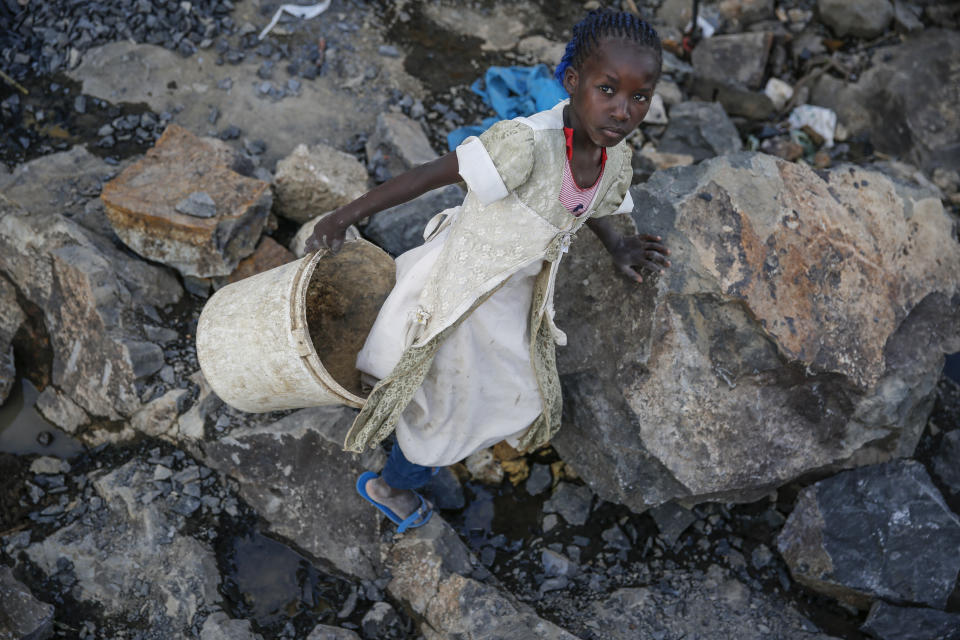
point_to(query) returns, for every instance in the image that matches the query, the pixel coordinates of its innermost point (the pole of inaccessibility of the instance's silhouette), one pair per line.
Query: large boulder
(128, 555)
(95, 300)
(881, 531)
(183, 205)
(802, 326)
(921, 123)
(295, 474)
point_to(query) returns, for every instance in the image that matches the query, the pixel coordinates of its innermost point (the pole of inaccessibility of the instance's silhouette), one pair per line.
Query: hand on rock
(643, 251)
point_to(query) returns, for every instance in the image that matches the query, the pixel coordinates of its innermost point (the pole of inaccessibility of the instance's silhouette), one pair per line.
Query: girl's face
(611, 91)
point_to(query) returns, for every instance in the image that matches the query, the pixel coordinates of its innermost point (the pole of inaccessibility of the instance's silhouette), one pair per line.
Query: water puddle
(23, 431)
(55, 115)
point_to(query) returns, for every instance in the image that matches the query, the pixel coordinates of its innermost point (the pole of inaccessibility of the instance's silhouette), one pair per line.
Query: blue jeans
(400, 473)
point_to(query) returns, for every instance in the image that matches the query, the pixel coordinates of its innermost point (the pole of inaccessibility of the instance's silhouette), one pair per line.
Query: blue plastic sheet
(511, 92)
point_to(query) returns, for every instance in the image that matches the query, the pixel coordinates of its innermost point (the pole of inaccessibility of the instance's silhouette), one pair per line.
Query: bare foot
(402, 502)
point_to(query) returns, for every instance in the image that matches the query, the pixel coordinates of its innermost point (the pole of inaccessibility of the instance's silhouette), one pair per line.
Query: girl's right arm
(330, 230)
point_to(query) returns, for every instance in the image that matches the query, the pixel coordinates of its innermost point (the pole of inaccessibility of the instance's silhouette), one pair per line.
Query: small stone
(555, 564)
(539, 479)
(198, 204)
(570, 501)
(389, 51)
(45, 438)
(554, 584)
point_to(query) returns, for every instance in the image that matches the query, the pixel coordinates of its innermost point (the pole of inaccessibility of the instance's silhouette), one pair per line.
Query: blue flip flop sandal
(416, 519)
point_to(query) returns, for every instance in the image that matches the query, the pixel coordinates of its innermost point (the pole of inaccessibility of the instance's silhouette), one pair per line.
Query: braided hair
(603, 23)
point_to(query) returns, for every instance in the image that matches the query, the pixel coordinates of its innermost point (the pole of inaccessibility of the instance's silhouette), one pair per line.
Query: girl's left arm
(403, 188)
(641, 250)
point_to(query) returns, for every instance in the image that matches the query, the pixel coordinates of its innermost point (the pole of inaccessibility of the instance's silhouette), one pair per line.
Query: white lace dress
(481, 387)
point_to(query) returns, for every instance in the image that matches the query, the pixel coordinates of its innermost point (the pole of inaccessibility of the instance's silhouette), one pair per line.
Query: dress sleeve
(498, 161)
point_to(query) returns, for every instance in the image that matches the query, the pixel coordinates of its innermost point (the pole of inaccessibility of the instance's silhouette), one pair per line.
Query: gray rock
(198, 204)
(219, 626)
(8, 373)
(946, 463)
(906, 16)
(91, 295)
(11, 315)
(687, 605)
(22, 616)
(556, 564)
(401, 141)
(380, 621)
(326, 632)
(539, 479)
(158, 417)
(860, 18)
(729, 374)
(571, 501)
(430, 569)
(61, 410)
(672, 520)
(400, 228)
(445, 491)
(160, 335)
(112, 554)
(881, 531)
(295, 474)
(700, 129)
(926, 129)
(739, 58)
(730, 69)
(890, 622)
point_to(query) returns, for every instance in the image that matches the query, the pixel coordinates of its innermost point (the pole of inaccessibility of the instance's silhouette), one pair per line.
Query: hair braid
(603, 23)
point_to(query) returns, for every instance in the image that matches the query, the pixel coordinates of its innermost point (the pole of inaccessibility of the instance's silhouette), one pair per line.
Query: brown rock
(269, 254)
(146, 203)
(782, 148)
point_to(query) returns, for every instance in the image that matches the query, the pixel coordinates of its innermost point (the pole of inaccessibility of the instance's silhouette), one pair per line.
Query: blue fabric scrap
(511, 92)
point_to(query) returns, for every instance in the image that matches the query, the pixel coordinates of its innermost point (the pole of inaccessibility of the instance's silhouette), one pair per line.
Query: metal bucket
(288, 338)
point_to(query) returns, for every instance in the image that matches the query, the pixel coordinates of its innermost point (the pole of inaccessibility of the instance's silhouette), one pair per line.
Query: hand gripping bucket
(288, 338)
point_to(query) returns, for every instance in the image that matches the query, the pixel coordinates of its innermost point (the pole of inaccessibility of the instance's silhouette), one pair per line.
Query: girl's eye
(606, 89)
(641, 98)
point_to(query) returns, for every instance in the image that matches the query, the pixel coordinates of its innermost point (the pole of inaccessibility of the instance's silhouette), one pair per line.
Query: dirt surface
(344, 296)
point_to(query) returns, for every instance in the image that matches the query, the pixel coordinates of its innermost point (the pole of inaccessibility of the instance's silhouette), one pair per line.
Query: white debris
(821, 121)
(295, 10)
(779, 92)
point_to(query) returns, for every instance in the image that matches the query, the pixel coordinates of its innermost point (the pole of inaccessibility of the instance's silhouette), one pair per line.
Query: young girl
(463, 347)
